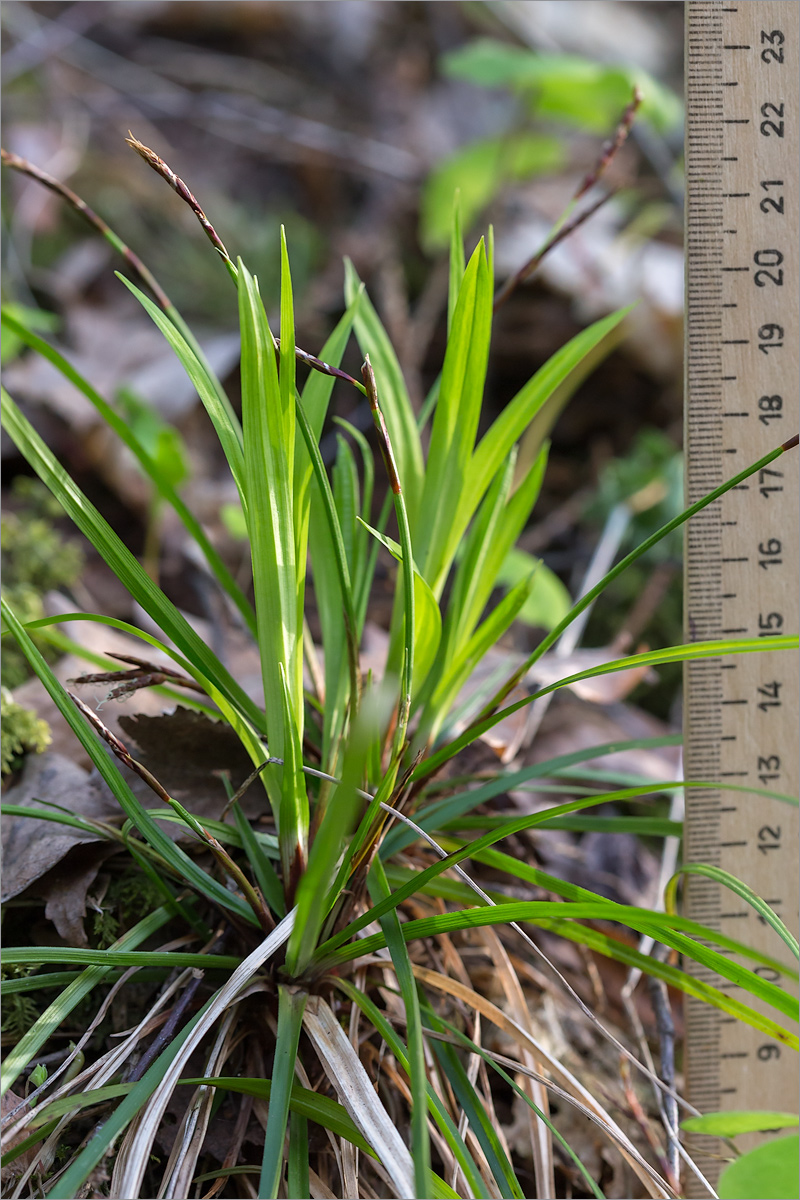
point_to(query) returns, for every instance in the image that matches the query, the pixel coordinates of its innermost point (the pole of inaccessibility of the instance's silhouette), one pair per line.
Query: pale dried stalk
(353, 1086)
(110, 1063)
(189, 1139)
(541, 1137)
(656, 1186)
(149, 1119)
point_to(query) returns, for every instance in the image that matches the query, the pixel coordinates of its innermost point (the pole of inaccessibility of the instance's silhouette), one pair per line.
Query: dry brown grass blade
(354, 1088)
(656, 1186)
(129, 1182)
(400, 1083)
(109, 1064)
(349, 1151)
(189, 1139)
(319, 1190)
(541, 1138)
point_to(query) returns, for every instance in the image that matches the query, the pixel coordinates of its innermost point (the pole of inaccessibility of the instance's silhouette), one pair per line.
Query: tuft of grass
(306, 965)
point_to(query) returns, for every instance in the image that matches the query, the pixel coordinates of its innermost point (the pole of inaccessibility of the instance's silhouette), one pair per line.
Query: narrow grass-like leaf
(159, 1073)
(299, 1155)
(149, 465)
(427, 617)
(223, 418)
(178, 859)
(591, 595)
(741, 889)
(439, 813)
(327, 580)
(455, 423)
(420, 1142)
(118, 958)
(32, 1041)
(657, 827)
(314, 402)
(457, 261)
(268, 415)
(287, 356)
(33, 983)
(652, 658)
(463, 663)
(263, 869)
(463, 611)
(401, 512)
(489, 542)
(333, 546)
(519, 412)
(396, 405)
(97, 829)
(293, 811)
(506, 863)
(311, 1105)
(484, 1132)
(553, 915)
(291, 1005)
(513, 825)
(224, 833)
(319, 888)
(543, 912)
(437, 1110)
(206, 668)
(437, 1021)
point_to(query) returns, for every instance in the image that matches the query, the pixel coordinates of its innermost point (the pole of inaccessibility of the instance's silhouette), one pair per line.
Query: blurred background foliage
(352, 122)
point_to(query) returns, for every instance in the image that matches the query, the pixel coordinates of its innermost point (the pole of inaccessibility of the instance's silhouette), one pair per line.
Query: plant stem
(368, 375)
(563, 227)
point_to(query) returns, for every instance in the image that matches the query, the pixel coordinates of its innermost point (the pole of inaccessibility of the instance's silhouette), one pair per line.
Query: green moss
(35, 559)
(22, 732)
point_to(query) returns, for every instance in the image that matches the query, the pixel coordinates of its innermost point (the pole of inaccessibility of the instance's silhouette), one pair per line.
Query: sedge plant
(304, 989)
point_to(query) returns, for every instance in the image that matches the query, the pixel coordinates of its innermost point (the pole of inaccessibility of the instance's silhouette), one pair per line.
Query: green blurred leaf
(769, 1172)
(478, 171)
(730, 1124)
(575, 90)
(233, 518)
(549, 601)
(161, 441)
(30, 318)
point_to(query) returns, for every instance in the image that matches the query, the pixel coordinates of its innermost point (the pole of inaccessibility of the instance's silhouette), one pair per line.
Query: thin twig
(659, 998)
(612, 147)
(143, 674)
(80, 206)
(168, 1029)
(562, 231)
(251, 894)
(642, 1120)
(17, 163)
(528, 268)
(176, 183)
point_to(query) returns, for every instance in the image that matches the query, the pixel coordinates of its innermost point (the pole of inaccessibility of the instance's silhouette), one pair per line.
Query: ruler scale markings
(741, 165)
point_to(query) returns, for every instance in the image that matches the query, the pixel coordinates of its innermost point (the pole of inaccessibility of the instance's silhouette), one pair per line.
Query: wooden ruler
(743, 334)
